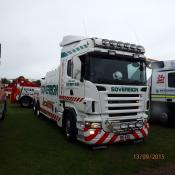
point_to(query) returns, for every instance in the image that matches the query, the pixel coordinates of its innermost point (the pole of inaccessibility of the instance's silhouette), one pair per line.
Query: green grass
(32, 146)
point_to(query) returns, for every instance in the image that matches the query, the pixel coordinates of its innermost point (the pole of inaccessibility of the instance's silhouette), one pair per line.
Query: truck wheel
(70, 127)
(38, 114)
(34, 107)
(25, 102)
(164, 119)
(2, 117)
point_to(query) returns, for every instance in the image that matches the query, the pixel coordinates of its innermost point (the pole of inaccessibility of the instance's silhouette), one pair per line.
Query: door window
(171, 79)
(69, 68)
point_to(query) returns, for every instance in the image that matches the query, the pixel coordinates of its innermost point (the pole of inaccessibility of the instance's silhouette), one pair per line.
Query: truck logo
(160, 79)
(72, 83)
(123, 89)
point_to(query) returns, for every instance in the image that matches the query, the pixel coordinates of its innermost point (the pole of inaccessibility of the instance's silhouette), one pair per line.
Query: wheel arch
(66, 111)
(26, 96)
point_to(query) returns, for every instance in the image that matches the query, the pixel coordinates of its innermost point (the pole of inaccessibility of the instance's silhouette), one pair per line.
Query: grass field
(32, 146)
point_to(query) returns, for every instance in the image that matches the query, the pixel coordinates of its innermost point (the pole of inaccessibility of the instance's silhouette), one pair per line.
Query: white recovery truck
(163, 91)
(98, 94)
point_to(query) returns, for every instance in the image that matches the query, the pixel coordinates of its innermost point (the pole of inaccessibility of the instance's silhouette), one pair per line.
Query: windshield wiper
(134, 82)
(119, 82)
(105, 81)
(109, 81)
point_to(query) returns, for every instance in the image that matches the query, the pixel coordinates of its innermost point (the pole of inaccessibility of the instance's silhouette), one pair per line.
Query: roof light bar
(113, 43)
(105, 42)
(118, 45)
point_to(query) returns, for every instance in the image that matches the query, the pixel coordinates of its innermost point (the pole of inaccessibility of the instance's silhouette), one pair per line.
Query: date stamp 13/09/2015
(149, 156)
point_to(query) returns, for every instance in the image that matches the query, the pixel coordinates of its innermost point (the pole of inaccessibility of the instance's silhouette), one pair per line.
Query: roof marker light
(120, 44)
(113, 43)
(105, 42)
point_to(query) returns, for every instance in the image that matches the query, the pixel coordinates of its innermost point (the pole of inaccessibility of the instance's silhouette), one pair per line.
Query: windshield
(108, 69)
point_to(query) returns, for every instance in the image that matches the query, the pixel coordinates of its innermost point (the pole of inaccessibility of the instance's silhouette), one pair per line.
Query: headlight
(139, 124)
(132, 125)
(93, 125)
(124, 125)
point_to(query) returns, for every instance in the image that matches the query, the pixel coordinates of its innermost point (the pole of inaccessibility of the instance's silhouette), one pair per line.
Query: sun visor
(70, 39)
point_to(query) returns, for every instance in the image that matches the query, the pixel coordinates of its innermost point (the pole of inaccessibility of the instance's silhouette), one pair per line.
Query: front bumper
(99, 136)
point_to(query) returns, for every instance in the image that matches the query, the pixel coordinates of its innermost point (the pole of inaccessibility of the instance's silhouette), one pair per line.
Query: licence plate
(124, 137)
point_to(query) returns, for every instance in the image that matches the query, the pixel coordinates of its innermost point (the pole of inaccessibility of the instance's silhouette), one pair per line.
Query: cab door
(158, 87)
(170, 86)
(74, 86)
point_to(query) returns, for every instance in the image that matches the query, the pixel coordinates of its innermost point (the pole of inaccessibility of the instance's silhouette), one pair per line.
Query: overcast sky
(31, 30)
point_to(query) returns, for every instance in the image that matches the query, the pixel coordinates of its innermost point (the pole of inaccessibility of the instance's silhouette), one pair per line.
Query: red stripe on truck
(51, 115)
(86, 129)
(71, 98)
(114, 137)
(143, 132)
(92, 136)
(102, 139)
(135, 135)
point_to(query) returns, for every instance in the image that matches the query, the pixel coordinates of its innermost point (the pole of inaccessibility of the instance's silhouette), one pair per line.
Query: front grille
(120, 101)
(123, 104)
(120, 108)
(123, 95)
(123, 114)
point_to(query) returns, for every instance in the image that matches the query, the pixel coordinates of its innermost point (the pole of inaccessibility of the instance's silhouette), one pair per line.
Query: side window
(69, 68)
(171, 79)
(76, 68)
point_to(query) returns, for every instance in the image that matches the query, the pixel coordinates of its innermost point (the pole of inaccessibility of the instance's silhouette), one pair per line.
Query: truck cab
(101, 95)
(163, 91)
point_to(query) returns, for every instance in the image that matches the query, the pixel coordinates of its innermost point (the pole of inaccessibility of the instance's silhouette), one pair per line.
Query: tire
(70, 129)
(38, 114)
(34, 107)
(2, 117)
(25, 102)
(164, 119)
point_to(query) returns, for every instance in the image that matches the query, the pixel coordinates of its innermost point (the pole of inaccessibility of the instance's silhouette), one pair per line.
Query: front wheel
(70, 129)
(25, 102)
(38, 114)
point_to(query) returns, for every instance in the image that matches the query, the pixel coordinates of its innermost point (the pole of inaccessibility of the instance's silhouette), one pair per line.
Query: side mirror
(157, 64)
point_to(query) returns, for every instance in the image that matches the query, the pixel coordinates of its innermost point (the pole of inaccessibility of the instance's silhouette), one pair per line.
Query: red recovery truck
(22, 91)
(3, 104)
